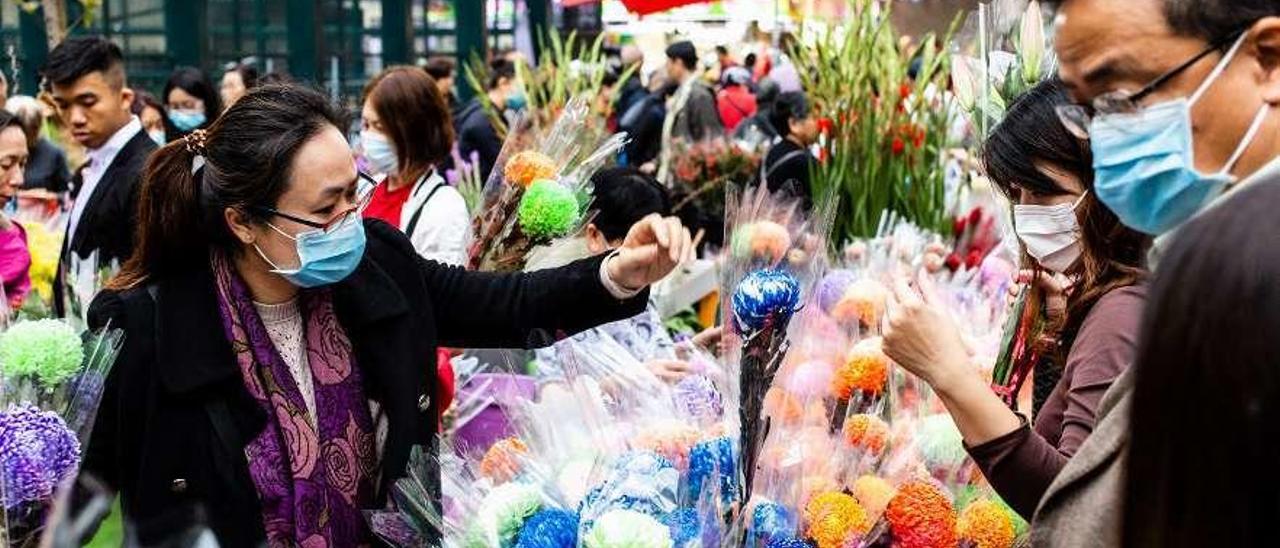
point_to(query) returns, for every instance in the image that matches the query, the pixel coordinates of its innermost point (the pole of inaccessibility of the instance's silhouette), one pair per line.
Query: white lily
(1031, 42)
(966, 76)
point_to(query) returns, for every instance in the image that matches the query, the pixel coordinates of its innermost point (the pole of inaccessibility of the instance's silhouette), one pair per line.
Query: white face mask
(1051, 234)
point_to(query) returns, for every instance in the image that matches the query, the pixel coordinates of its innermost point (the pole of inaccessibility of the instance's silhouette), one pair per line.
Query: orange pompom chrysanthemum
(921, 516)
(833, 517)
(986, 524)
(873, 494)
(866, 432)
(526, 167)
(864, 300)
(501, 462)
(867, 369)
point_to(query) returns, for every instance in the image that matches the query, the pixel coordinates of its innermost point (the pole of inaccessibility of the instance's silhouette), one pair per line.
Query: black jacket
(175, 417)
(476, 134)
(109, 217)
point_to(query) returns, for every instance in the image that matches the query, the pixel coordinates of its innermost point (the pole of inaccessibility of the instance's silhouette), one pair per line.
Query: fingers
(906, 296)
(656, 225)
(677, 236)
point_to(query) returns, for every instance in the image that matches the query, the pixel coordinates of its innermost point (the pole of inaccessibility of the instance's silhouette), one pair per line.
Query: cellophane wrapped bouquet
(609, 457)
(539, 189)
(862, 453)
(53, 375)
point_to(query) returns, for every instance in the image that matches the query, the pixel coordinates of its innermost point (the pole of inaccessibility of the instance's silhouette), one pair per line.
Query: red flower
(958, 226)
(974, 259)
(825, 125)
(899, 145)
(975, 216)
(953, 261)
(904, 90)
(918, 138)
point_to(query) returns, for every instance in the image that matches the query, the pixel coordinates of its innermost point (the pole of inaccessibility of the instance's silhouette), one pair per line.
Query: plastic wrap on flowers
(502, 514)
(866, 370)
(549, 528)
(713, 460)
(764, 295)
(866, 432)
(501, 463)
(37, 451)
(48, 351)
(771, 520)
(940, 443)
(873, 493)
(641, 481)
(863, 300)
(986, 524)
(548, 209)
(832, 287)
(833, 518)
(811, 379)
(762, 240)
(672, 439)
(921, 516)
(699, 399)
(627, 529)
(787, 542)
(684, 526)
(528, 166)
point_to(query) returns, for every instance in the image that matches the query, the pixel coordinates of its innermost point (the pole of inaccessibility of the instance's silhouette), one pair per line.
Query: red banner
(646, 7)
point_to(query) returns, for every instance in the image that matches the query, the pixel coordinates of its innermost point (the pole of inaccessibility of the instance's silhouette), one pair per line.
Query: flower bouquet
(539, 191)
(700, 172)
(53, 382)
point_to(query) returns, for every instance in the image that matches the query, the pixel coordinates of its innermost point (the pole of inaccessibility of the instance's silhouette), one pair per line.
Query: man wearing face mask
(473, 126)
(1177, 97)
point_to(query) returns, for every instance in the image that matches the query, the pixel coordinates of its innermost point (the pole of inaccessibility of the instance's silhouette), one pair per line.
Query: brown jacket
(1084, 505)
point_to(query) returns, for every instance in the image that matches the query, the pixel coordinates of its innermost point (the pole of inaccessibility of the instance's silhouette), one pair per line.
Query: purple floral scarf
(312, 481)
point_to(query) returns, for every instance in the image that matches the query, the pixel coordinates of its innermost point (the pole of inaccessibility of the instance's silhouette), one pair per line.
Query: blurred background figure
(735, 101)
(406, 134)
(191, 101)
(15, 258)
(696, 118)
(789, 162)
(151, 113)
(725, 59)
(441, 69)
(46, 167)
(643, 123)
(758, 128)
(473, 127)
(631, 90)
(236, 81)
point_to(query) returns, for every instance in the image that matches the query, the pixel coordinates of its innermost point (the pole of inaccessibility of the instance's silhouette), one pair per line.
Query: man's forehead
(1098, 41)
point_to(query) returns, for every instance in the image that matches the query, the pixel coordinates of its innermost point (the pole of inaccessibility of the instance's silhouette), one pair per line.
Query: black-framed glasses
(1076, 118)
(365, 185)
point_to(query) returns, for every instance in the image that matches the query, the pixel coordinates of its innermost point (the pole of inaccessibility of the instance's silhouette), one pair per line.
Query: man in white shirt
(87, 78)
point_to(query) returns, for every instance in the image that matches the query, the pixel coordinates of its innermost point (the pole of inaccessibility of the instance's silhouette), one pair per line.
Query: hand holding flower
(651, 250)
(921, 338)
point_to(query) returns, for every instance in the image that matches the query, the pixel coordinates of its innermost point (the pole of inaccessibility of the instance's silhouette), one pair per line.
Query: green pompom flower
(628, 529)
(502, 514)
(548, 210)
(47, 350)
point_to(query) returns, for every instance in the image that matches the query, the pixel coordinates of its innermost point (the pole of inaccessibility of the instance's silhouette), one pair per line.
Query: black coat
(176, 417)
(110, 216)
(476, 134)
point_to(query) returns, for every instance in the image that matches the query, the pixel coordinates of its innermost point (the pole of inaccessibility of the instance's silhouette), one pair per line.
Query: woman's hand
(670, 371)
(1055, 287)
(651, 250)
(921, 338)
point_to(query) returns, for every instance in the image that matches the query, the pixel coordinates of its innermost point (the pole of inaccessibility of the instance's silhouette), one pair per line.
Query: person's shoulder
(114, 307)
(1124, 302)
(1113, 322)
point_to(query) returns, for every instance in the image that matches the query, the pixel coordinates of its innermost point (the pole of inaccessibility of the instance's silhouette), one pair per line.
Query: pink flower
(341, 468)
(299, 437)
(330, 359)
(314, 541)
(362, 444)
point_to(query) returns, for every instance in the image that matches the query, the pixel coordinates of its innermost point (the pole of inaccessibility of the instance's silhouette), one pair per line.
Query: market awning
(646, 7)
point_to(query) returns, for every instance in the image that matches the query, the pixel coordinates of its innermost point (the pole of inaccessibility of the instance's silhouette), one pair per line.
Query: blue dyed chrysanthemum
(763, 296)
(37, 451)
(549, 528)
(684, 526)
(710, 460)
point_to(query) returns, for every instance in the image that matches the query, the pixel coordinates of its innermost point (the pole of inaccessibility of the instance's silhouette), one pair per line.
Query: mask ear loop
(1254, 128)
(1079, 201)
(1218, 70)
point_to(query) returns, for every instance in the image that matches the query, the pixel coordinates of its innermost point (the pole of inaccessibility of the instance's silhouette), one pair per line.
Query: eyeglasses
(1076, 118)
(365, 186)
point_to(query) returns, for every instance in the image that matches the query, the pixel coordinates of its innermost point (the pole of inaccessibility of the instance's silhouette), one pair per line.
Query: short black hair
(1030, 137)
(1211, 20)
(81, 55)
(722, 50)
(194, 81)
(499, 70)
(622, 197)
(792, 105)
(439, 67)
(8, 120)
(685, 53)
(248, 74)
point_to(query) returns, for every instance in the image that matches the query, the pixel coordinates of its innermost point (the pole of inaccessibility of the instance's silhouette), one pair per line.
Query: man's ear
(1265, 36)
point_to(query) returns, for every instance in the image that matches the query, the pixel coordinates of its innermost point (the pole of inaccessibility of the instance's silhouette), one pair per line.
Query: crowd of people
(282, 295)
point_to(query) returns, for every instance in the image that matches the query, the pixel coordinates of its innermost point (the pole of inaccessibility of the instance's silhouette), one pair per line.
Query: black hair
(1205, 412)
(499, 70)
(685, 53)
(439, 67)
(77, 56)
(1211, 20)
(622, 197)
(1031, 139)
(194, 81)
(722, 50)
(248, 74)
(248, 153)
(274, 78)
(8, 120)
(791, 105)
(749, 61)
(142, 100)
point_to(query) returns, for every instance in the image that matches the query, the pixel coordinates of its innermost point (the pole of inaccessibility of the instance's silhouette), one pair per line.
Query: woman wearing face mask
(191, 102)
(151, 113)
(406, 133)
(1082, 255)
(272, 373)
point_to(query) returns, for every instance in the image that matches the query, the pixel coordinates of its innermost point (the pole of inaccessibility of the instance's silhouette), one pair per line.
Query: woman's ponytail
(168, 233)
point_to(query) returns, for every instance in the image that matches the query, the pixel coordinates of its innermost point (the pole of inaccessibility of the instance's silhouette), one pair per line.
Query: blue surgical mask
(379, 152)
(1144, 162)
(187, 120)
(324, 258)
(158, 136)
(517, 101)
